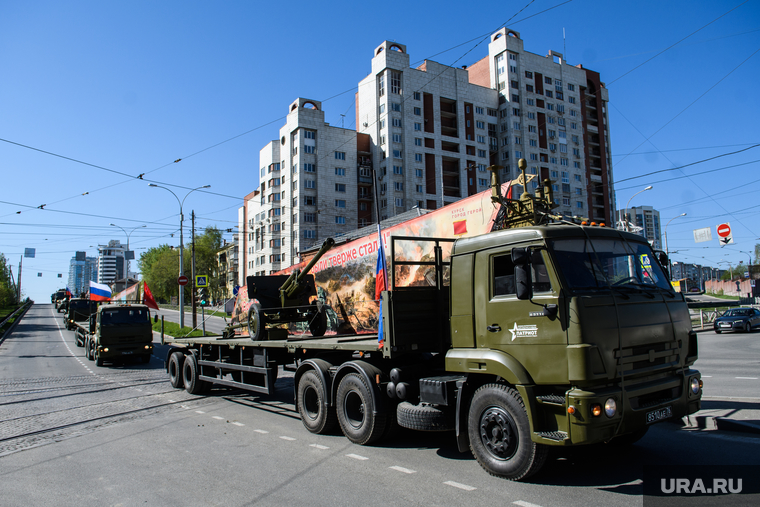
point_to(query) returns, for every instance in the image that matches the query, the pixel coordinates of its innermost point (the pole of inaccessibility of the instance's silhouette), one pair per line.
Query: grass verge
(173, 329)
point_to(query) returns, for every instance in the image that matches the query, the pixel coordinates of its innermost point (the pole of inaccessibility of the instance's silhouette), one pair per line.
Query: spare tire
(424, 417)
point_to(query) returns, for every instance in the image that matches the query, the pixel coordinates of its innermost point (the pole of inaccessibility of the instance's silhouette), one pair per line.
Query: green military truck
(117, 332)
(78, 310)
(59, 298)
(547, 333)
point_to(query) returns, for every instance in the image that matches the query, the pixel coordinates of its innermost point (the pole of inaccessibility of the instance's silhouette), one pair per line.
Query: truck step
(557, 436)
(552, 399)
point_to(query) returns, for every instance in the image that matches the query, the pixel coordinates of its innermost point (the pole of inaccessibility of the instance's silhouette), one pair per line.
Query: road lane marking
(263, 432)
(289, 439)
(525, 504)
(217, 418)
(321, 447)
(237, 423)
(200, 412)
(356, 456)
(706, 376)
(746, 378)
(403, 470)
(460, 486)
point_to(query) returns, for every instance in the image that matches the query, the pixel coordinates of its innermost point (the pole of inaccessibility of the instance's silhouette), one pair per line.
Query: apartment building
(642, 220)
(111, 262)
(81, 273)
(430, 133)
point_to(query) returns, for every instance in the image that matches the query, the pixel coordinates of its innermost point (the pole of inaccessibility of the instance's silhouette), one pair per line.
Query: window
(515, 97)
(483, 182)
(560, 107)
(578, 191)
(309, 134)
(399, 202)
(577, 165)
(482, 153)
(547, 80)
(382, 124)
(491, 112)
(418, 111)
(397, 123)
(263, 171)
(399, 186)
(531, 116)
(532, 142)
(418, 173)
(307, 234)
(566, 201)
(309, 148)
(573, 112)
(397, 154)
(397, 169)
(504, 274)
(576, 152)
(571, 87)
(309, 200)
(529, 88)
(480, 124)
(395, 82)
(571, 99)
(550, 106)
(340, 187)
(515, 111)
(381, 109)
(417, 96)
(518, 140)
(518, 154)
(514, 84)
(532, 129)
(395, 106)
(560, 95)
(561, 121)
(577, 177)
(418, 128)
(396, 138)
(528, 74)
(562, 148)
(340, 220)
(513, 69)
(579, 204)
(382, 140)
(505, 155)
(310, 184)
(553, 160)
(309, 168)
(380, 85)
(418, 157)
(516, 125)
(550, 119)
(340, 203)
(533, 156)
(310, 217)
(481, 139)
(340, 171)
(417, 141)
(513, 57)
(340, 155)
(479, 110)
(573, 125)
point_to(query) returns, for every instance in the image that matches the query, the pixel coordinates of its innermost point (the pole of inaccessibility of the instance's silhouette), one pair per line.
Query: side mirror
(92, 323)
(520, 256)
(523, 283)
(155, 318)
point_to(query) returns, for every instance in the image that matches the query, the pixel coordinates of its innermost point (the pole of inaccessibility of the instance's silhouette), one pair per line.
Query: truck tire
(423, 417)
(176, 359)
(88, 349)
(355, 411)
(499, 433)
(96, 356)
(316, 415)
(256, 323)
(190, 374)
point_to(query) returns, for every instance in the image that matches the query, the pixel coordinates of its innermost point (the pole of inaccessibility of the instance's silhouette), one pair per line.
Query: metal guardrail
(15, 312)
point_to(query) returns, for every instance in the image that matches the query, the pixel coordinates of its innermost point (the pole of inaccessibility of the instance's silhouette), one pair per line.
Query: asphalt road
(75, 434)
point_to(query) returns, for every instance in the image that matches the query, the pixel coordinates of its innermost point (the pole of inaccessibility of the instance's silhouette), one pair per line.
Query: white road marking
(263, 432)
(706, 376)
(200, 412)
(403, 470)
(356, 456)
(289, 439)
(317, 446)
(460, 486)
(237, 423)
(525, 504)
(746, 378)
(217, 418)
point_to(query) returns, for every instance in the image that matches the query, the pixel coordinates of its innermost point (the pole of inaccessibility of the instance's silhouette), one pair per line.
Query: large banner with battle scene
(345, 275)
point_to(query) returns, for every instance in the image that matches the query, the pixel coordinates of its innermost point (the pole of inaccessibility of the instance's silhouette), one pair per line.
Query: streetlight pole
(181, 248)
(126, 276)
(625, 213)
(665, 233)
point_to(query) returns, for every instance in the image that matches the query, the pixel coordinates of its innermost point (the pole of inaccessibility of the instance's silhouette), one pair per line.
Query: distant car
(738, 319)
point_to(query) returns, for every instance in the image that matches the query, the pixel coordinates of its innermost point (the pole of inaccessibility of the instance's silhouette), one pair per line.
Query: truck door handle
(494, 329)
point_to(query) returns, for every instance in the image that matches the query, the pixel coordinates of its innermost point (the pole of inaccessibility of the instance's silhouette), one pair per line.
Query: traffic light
(204, 297)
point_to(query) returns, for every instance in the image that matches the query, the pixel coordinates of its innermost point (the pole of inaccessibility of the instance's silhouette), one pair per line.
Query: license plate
(126, 352)
(724, 324)
(659, 414)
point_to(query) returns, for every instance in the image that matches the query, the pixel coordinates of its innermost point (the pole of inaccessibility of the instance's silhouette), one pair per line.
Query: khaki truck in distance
(78, 310)
(545, 333)
(117, 332)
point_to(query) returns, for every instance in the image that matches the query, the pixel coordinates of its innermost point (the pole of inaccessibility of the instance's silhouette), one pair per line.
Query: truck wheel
(423, 417)
(96, 356)
(316, 416)
(175, 369)
(355, 411)
(88, 349)
(190, 373)
(499, 433)
(256, 323)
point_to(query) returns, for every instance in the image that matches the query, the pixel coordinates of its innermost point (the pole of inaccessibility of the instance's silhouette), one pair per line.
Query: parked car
(738, 319)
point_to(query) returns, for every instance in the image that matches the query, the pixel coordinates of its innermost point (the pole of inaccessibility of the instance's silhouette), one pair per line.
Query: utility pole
(192, 233)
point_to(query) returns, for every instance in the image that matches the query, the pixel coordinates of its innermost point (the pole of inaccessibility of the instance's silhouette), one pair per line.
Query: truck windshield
(124, 316)
(601, 263)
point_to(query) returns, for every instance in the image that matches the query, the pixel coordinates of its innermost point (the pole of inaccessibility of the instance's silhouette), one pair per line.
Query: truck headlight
(696, 384)
(147, 347)
(610, 407)
(105, 349)
(596, 409)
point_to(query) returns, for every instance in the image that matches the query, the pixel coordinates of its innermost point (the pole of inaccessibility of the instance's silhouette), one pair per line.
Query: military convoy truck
(548, 332)
(116, 332)
(78, 311)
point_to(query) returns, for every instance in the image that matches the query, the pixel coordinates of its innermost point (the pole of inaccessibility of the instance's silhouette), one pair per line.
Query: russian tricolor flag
(99, 292)
(68, 292)
(381, 284)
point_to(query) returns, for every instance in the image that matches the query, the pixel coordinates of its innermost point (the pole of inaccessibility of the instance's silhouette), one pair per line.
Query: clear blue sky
(133, 86)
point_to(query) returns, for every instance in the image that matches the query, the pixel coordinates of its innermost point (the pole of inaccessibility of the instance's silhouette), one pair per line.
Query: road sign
(235, 290)
(724, 234)
(182, 280)
(702, 235)
(201, 281)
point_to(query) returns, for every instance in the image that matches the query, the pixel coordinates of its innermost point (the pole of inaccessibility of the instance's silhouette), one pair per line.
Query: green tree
(7, 295)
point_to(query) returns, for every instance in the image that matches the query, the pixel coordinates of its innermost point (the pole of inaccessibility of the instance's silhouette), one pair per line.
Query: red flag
(149, 301)
(460, 227)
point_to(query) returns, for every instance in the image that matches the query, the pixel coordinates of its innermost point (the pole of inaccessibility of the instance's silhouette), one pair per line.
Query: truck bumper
(637, 406)
(124, 350)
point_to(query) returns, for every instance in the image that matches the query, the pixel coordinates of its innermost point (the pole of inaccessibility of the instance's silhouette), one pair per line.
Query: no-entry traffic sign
(724, 234)
(182, 280)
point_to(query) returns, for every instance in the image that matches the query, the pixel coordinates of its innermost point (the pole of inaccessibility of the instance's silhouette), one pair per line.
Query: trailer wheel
(256, 323)
(175, 369)
(190, 374)
(423, 417)
(316, 415)
(355, 411)
(499, 433)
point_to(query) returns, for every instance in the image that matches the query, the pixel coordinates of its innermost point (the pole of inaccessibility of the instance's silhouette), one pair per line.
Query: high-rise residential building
(642, 220)
(81, 273)
(111, 262)
(429, 134)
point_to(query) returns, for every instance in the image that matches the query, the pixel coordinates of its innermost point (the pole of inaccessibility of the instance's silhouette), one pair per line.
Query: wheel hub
(498, 432)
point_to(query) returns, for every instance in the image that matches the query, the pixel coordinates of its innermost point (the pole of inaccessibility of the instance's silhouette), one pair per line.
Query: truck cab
(118, 332)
